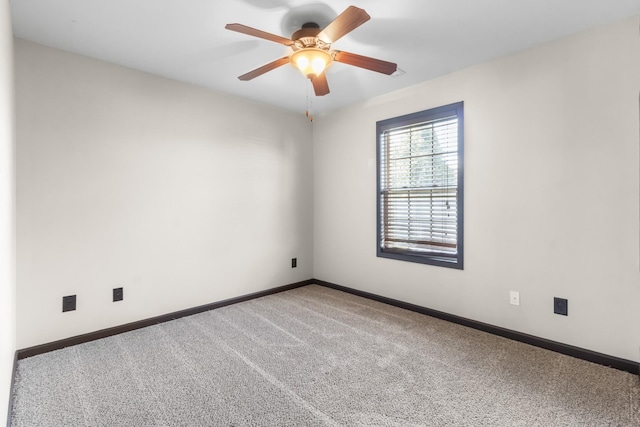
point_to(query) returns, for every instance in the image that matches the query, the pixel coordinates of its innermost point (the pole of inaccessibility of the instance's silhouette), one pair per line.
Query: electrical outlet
(294, 262)
(68, 303)
(118, 294)
(561, 306)
(514, 297)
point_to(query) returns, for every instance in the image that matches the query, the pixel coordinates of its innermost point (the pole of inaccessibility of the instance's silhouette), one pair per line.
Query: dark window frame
(383, 126)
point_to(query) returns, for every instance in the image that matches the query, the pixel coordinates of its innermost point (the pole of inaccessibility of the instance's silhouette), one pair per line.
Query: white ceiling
(186, 40)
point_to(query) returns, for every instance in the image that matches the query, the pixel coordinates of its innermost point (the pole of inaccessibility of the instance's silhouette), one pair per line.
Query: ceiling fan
(312, 52)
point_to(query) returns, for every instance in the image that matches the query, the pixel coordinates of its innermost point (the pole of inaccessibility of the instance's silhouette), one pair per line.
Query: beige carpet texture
(314, 356)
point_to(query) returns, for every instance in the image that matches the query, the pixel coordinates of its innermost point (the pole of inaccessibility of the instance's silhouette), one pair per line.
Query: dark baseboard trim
(13, 381)
(103, 333)
(580, 353)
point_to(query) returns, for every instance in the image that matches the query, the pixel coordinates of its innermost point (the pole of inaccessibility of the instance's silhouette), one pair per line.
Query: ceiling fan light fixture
(311, 61)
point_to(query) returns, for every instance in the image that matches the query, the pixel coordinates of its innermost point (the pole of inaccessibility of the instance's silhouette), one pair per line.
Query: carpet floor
(314, 356)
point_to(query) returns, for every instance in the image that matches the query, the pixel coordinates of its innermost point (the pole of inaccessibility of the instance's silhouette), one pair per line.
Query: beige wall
(181, 195)
(7, 282)
(551, 193)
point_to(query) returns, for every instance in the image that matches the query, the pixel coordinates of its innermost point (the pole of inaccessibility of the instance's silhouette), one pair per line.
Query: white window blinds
(419, 189)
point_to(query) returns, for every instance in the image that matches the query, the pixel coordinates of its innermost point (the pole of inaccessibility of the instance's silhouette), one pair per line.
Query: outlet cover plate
(68, 303)
(561, 306)
(118, 294)
(514, 297)
(294, 262)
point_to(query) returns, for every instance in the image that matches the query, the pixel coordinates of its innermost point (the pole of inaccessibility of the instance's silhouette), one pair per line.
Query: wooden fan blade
(259, 33)
(372, 64)
(320, 84)
(346, 22)
(268, 67)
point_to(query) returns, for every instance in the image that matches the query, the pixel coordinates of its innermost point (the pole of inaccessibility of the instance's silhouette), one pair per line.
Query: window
(420, 187)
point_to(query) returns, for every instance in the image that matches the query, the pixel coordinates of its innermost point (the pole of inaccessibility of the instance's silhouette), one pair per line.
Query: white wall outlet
(514, 297)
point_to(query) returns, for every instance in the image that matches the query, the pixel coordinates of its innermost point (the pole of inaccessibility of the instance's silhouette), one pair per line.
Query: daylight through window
(420, 186)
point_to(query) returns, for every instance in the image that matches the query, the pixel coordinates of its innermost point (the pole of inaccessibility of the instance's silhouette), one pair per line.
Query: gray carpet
(314, 356)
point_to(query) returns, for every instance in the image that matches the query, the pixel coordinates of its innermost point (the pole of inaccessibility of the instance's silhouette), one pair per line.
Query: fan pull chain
(306, 86)
(309, 112)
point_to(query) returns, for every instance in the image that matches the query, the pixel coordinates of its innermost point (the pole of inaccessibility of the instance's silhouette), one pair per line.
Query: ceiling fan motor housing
(307, 37)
